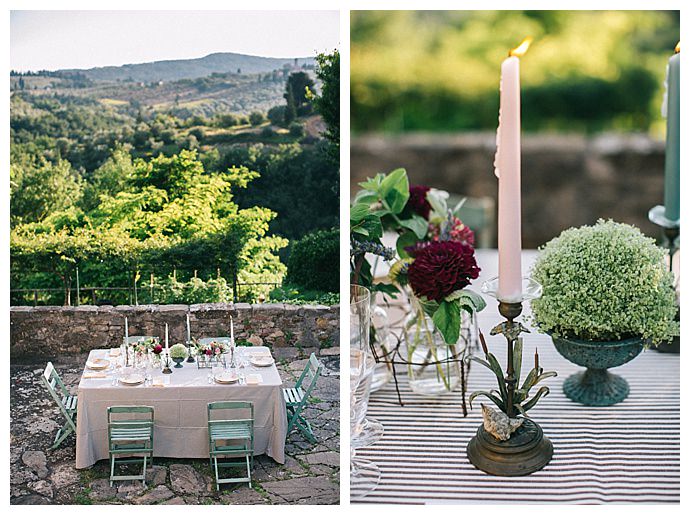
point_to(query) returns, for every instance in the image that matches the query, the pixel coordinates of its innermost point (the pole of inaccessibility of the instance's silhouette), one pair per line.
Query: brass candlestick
(527, 449)
(166, 368)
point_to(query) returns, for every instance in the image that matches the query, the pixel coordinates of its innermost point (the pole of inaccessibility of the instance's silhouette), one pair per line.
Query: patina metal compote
(526, 450)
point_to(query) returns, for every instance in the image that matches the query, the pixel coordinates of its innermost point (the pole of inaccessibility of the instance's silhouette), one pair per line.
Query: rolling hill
(225, 62)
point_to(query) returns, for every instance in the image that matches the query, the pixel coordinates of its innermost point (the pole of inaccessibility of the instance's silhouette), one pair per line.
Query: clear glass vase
(434, 367)
(380, 329)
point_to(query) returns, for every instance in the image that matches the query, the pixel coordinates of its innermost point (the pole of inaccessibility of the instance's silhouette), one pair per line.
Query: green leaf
(498, 372)
(467, 300)
(534, 377)
(395, 190)
(479, 360)
(517, 358)
(358, 212)
(406, 239)
(447, 320)
(543, 391)
(458, 206)
(417, 225)
(372, 225)
(366, 197)
(373, 184)
(438, 202)
(498, 402)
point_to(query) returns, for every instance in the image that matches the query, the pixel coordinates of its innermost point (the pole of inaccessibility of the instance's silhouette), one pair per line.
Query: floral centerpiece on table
(144, 345)
(433, 256)
(210, 349)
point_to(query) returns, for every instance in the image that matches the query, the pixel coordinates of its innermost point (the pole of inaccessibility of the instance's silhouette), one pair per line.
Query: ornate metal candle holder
(525, 450)
(166, 363)
(657, 215)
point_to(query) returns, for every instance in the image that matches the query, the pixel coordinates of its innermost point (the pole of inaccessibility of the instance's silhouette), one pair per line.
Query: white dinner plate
(261, 361)
(98, 364)
(226, 378)
(132, 380)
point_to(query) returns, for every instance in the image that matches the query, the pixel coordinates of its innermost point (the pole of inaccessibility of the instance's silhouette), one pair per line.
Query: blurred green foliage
(313, 263)
(439, 71)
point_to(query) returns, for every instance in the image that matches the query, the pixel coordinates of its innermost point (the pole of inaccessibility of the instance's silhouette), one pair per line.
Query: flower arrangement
(178, 351)
(213, 348)
(142, 346)
(605, 282)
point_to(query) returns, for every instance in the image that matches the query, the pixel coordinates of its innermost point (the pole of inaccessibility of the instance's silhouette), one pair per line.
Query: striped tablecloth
(625, 453)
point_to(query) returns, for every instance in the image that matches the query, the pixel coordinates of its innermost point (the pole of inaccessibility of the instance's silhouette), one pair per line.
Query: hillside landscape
(194, 174)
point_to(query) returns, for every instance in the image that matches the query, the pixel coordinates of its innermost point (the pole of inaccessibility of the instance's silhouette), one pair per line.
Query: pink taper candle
(507, 169)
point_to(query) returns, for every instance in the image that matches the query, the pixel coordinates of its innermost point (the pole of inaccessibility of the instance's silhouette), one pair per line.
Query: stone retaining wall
(567, 180)
(47, 331)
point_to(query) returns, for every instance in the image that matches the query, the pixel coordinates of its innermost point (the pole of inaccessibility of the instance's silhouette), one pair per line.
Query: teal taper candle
(672, 164)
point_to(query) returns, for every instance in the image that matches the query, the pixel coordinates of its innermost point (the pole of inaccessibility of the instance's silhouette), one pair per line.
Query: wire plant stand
(397, 354)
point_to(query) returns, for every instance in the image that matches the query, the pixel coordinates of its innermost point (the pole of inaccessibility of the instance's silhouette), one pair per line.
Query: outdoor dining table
(629, 452)
(180, 404)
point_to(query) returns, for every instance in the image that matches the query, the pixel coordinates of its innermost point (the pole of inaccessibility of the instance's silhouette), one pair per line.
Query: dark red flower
(441, 267)
(157, 349)
(418, 202)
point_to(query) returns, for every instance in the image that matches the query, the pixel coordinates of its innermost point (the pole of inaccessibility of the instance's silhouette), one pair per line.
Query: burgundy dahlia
(418, 202)
(440, 268)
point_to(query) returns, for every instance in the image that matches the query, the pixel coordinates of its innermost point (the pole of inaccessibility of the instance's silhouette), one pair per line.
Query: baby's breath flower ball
(605, 282)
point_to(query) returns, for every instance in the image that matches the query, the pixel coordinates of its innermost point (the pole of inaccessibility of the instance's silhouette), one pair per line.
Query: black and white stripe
(620, 454)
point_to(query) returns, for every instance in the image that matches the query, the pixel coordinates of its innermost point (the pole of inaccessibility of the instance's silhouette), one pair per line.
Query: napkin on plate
(95, 375)
(158, 382)
(254, 379)
(114, 353)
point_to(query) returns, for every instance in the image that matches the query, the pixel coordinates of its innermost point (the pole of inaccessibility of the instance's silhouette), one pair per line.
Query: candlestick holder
(527, 449)
(190, 346)
(166, 364)
(657, 215)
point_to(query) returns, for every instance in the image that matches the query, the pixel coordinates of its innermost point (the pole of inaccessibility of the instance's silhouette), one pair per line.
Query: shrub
(313, 261)
(267, 132)
(296, 130)
(276, 115)
(604, 282)
(256, 118)
(227, 120)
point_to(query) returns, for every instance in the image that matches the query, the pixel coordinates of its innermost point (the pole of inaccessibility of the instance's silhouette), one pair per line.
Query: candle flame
(678, 48)
(522, 47)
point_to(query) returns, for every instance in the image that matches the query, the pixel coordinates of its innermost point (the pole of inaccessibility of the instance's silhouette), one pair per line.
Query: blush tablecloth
(180, 411)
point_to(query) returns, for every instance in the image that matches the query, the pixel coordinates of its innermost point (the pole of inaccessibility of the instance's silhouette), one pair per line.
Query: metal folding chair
(297, 398)
(231, 438)
(66, 403)
(131, 436)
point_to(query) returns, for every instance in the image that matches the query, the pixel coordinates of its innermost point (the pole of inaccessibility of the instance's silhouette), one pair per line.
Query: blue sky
(83, 39)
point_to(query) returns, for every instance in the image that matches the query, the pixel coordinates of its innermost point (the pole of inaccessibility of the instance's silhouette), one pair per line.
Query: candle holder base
(527, 451)
(167, 370)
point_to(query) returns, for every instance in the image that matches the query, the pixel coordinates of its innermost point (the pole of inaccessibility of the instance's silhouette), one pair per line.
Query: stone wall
(566, 180)
(48, 331)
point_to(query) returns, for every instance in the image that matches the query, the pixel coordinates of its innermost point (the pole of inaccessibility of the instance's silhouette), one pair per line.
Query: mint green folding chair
(67, 403)
(296, 398)
(130, 434)
(231, 438)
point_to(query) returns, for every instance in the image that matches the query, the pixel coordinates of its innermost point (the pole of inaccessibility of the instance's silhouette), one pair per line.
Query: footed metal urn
(596, 386)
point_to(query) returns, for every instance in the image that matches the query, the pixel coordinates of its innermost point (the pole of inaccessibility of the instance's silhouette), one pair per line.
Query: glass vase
(434, 367)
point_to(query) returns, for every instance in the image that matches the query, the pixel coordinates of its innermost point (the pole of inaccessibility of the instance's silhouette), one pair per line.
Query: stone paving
(39, 475)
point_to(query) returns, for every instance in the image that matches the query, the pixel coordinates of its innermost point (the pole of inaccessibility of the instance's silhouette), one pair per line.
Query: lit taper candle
(507, 169)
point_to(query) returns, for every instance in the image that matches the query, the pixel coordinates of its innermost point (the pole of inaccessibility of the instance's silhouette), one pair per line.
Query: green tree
(328, 102)
(38, 190)
(256, 118)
